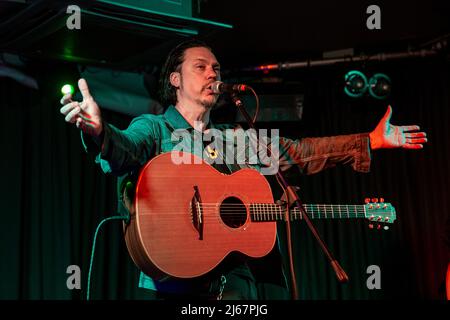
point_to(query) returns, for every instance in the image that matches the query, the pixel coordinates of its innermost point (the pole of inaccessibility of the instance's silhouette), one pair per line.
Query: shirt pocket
(182, 144)
(168, 145)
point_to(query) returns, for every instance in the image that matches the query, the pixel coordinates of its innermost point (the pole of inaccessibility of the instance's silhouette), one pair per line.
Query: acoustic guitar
(189, 217)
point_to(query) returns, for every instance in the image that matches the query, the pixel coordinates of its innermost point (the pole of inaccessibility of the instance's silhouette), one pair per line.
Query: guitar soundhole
(233, 212)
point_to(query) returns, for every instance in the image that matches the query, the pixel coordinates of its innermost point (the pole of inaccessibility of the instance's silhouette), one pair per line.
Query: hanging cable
(126, 218)
(257, 104)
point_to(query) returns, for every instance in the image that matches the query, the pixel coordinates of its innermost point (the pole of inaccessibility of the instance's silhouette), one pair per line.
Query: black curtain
(412, 254)
(54, 198)
(55, 195)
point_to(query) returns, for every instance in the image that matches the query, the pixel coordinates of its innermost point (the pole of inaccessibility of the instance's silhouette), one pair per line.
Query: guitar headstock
(379, 212)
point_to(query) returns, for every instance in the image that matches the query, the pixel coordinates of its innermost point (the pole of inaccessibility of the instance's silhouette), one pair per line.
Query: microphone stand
(293, 199)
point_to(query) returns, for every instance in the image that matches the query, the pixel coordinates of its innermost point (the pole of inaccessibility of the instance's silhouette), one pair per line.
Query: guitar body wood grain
(162, 237)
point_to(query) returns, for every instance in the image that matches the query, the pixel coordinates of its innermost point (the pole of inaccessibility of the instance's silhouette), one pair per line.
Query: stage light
(355, 84)
(67, 88)
(380, 86)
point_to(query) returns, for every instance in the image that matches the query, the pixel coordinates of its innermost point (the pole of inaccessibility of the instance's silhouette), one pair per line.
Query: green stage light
(380, 86)
(67, 88)
(355, 84)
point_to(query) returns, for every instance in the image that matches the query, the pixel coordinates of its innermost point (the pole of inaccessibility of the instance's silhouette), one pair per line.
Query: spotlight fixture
(379, 86)
(355, 84)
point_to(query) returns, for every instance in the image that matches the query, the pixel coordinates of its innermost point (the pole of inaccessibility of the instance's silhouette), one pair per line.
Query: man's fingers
(83, 106)
(416, 140)
(415, 135)
(387, 116)
(66, 99)
(412, 146)
(410, 128)
(68, 107)
(78, 122)
(73, 115)
(84, 89)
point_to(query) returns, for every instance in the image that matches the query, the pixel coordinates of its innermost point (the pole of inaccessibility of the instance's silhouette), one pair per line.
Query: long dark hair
(167, 92)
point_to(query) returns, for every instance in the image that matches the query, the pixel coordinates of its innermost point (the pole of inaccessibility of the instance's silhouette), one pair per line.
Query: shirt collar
(177, 121)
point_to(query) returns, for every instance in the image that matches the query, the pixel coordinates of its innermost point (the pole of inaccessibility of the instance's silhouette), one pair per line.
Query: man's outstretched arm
(313, 155)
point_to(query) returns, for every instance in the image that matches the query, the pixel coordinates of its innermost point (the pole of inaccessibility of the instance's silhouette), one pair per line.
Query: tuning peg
(374, 200)
(367, 200)
(371, 226)
(378, 227)
(386, 227)
(381, 200)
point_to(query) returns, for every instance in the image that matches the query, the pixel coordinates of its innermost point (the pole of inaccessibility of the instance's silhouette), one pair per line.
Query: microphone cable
(257, 104)
(121, 217)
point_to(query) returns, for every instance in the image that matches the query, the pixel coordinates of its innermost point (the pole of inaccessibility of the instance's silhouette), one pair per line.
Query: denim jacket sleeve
(313, 155)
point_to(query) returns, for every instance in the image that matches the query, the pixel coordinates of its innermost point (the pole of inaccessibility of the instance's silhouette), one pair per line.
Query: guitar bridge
(196, 211)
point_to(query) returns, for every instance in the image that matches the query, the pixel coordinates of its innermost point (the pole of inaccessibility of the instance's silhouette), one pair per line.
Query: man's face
(198, 71)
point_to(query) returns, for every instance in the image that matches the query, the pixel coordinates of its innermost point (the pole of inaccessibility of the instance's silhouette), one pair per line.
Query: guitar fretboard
(274, 212)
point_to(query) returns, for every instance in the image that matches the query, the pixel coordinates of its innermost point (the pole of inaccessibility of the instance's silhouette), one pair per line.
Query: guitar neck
(273, 212)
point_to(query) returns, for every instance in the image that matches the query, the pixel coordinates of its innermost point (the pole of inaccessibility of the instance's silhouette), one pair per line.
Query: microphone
(219, 87)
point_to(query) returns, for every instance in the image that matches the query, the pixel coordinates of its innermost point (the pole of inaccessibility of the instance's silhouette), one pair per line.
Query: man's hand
(127, 201)
(86, 115)
(387, 135)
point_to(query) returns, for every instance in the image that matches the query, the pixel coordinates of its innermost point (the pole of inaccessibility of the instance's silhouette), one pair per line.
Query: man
(185, 86)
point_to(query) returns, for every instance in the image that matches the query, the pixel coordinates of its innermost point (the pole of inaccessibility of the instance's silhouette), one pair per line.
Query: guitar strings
(174, 211)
